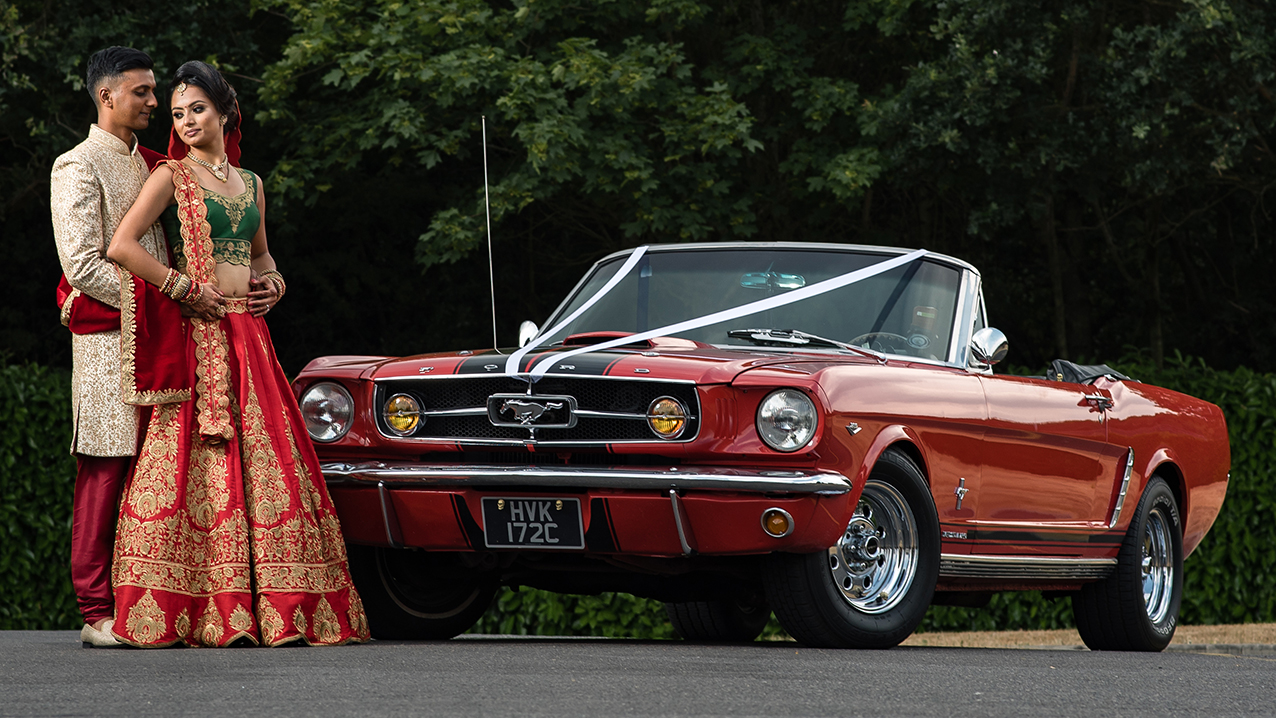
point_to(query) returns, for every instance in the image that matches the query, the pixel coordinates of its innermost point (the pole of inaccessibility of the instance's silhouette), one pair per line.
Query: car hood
(661, 358)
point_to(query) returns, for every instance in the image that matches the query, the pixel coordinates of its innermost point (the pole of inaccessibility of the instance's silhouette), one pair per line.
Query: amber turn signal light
(777, 522)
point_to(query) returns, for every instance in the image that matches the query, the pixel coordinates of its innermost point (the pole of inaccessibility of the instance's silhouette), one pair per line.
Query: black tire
(418, 595)
(1132, 610)
(834, 598)
(719, 621)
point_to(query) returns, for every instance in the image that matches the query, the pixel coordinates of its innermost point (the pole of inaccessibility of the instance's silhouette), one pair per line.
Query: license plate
(522, 522)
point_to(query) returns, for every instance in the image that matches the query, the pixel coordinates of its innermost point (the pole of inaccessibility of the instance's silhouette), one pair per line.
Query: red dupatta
(156, 362)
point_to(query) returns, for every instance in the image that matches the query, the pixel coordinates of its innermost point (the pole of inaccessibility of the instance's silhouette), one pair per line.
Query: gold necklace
(216, 169)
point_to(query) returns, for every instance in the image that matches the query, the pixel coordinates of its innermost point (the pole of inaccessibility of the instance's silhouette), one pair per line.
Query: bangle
(169, 282)
(193, 291)
(178, 287)
(276, 279)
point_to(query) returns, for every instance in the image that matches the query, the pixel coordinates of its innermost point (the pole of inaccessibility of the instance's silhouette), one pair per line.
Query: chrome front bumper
(714, 478)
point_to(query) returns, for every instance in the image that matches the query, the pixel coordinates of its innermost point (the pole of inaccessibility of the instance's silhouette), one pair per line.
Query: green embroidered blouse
(234, 221)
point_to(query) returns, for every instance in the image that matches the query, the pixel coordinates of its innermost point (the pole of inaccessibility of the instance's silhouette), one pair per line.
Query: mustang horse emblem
(527, 412)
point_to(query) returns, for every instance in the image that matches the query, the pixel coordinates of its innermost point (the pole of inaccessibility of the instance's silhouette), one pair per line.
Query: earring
(223, 120)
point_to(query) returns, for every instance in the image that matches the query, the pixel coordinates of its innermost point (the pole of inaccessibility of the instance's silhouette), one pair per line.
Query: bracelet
(276, 279)
(176, 285)
(193, 291)
(169, 282)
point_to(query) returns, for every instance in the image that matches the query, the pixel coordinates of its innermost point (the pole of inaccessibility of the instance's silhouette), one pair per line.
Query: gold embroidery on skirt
(327, 627)
(152, 489)
(207, 482)
(272, 624)
(183, 624)
(358, 619)
(169, 555)
(268, 495)
(241, 620)
(146, 622)
(299, 620)
(209, 631)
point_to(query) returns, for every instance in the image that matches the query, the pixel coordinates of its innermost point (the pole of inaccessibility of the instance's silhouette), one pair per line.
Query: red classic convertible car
(735, 429)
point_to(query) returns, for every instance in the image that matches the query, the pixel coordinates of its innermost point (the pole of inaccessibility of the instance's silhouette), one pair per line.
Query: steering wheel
(887, 342)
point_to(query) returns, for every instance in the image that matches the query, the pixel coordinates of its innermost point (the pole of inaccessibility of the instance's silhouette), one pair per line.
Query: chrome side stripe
(1024, 567)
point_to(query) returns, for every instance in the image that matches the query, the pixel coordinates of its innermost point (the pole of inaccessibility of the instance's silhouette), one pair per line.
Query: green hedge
(37, 479)
(1231, 578)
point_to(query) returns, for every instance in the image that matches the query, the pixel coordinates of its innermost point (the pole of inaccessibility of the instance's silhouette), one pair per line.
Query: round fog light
(402, 414)
(667, 417)
(777, 522)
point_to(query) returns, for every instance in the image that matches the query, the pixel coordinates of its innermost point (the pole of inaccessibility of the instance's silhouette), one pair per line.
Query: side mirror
(527, 331)
(988, 347)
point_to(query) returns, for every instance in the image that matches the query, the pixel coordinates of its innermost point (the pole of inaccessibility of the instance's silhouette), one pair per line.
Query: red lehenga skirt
(222, 540)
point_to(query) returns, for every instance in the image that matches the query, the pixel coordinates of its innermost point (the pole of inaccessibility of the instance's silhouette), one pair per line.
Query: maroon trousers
(99, 480)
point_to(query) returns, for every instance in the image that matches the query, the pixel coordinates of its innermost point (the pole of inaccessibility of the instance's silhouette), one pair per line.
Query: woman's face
(195, 118)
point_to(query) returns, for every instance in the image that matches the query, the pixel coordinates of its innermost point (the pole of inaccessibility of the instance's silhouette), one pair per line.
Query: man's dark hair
(210, 80)
(108, 64)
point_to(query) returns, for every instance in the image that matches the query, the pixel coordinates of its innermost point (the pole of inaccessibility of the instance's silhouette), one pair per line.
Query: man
(92, 187)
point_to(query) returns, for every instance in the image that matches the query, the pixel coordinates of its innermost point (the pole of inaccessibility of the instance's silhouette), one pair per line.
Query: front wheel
(1137, 607)
(418, 595)
(872, 588)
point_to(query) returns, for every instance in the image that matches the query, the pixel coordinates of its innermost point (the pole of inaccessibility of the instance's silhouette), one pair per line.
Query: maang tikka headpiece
(181, 89)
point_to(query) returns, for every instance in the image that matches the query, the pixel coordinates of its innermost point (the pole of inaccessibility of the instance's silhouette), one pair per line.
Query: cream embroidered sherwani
(92, 187)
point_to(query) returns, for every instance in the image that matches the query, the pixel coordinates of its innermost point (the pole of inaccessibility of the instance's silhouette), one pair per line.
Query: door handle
(1099, 400)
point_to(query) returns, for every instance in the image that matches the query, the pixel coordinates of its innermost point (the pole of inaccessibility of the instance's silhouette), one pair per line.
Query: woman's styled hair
(207, 78)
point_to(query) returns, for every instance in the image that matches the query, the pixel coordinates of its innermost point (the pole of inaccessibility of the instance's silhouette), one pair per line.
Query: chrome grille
(468, 395)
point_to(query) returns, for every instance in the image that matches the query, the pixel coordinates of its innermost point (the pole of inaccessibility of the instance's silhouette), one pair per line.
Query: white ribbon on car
(775, 302)
(511, 364)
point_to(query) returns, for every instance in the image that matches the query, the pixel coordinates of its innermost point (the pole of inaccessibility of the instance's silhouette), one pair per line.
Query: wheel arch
(1164, 464)
(900, 438)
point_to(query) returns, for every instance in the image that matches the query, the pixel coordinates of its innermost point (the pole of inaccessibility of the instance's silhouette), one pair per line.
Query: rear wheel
(719, 621)
(418, 595)
(872, 588)
(1137, 607)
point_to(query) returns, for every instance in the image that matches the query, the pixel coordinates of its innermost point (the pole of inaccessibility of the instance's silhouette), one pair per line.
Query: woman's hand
(209, 303)
(262, 295)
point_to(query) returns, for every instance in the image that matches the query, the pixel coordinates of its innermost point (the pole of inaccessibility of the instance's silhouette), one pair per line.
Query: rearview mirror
(772, 280)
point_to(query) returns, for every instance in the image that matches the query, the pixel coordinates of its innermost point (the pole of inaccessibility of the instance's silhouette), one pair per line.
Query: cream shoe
(93, 638)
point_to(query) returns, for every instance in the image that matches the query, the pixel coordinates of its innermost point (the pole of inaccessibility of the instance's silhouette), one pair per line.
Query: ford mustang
(814, 430)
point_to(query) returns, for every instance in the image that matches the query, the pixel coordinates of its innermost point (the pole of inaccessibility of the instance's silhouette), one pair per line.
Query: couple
(221, 531)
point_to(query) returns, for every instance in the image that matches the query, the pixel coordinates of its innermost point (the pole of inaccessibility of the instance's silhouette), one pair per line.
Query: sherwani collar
(111, 142)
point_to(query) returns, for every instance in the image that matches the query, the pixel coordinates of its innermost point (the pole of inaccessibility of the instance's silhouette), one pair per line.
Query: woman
(226, 529)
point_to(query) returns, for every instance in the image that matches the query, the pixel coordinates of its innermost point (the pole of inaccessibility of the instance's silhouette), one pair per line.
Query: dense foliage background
(1104, 162)
(1231, 577)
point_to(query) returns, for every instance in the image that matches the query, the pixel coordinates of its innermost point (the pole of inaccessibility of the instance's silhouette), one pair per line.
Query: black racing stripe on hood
(589, 364)
(488, 362)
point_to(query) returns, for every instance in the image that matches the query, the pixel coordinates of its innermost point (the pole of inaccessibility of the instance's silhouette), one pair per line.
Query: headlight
(667, 417)
(402, 414)
(327, 410)
(786, 420)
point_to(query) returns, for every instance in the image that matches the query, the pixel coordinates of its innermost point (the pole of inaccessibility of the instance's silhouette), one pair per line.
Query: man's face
(131, 98)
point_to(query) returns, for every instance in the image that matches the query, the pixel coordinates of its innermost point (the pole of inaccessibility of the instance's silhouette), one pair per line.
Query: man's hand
(209, 304)
(262, 295)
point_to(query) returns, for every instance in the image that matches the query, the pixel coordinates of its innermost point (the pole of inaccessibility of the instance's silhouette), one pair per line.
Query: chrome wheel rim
(1157, 566)
(874, 563)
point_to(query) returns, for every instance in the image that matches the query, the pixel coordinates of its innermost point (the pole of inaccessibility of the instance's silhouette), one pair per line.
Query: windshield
(907, 310)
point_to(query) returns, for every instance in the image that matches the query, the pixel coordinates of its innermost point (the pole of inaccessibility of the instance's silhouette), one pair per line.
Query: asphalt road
(48, 674)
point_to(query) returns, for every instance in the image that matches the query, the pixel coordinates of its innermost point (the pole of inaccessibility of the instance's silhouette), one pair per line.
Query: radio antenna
(487, 204)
